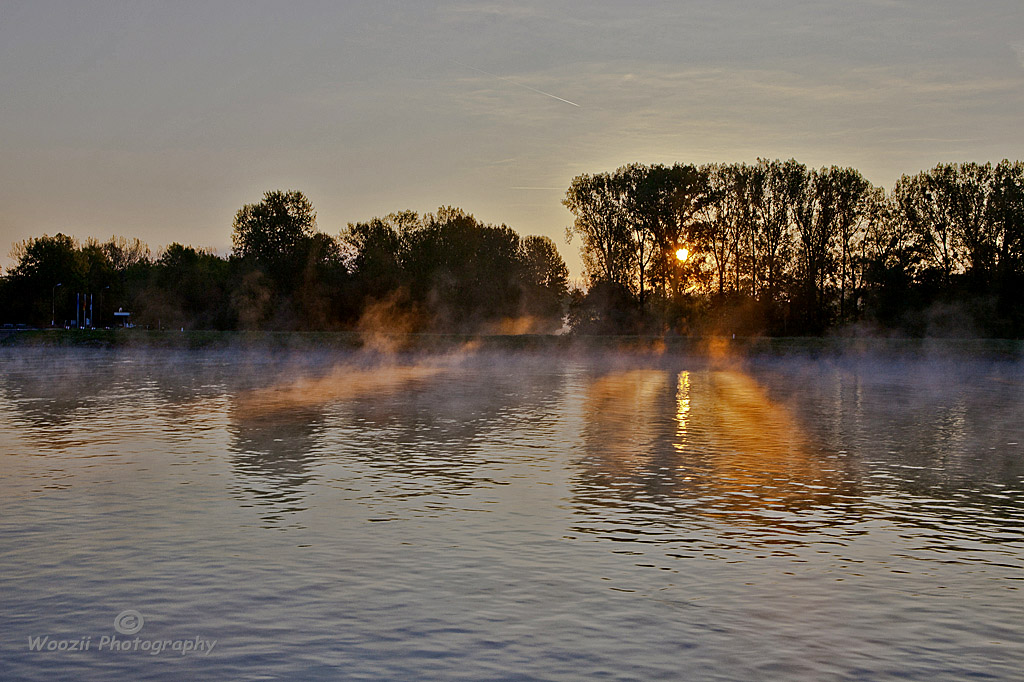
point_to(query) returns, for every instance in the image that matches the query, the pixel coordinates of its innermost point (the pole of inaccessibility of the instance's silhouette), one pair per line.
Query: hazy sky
(161, 120)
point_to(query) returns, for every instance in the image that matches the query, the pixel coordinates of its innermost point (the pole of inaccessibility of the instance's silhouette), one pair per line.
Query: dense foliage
(769, 248)
(782, 249)
(405, 272)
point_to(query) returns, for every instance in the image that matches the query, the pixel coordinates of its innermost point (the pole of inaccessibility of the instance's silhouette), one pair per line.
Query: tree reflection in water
(669, 448)
(400, 437)
(272, 453)
(277, 429)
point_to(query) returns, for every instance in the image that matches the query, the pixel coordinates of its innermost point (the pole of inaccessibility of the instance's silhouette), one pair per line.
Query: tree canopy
(275, 231)
(772, 247)
(784, 249)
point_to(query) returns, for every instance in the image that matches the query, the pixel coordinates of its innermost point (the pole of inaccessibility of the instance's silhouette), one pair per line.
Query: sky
(160, 120)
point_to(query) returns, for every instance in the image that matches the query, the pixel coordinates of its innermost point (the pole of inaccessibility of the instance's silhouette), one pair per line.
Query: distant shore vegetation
(770, 248)
(404, 272)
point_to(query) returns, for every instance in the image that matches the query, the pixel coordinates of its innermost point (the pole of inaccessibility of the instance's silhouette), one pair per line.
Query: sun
(682, 255)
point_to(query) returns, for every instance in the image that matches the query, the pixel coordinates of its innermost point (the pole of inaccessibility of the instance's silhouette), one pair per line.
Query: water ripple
(512, 517)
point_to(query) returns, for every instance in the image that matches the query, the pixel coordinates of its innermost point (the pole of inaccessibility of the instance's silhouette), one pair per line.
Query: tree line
(778, 248)
(772, 247)
(443, 271)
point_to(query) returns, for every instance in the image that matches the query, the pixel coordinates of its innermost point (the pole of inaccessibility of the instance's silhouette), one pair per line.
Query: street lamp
(53, 305)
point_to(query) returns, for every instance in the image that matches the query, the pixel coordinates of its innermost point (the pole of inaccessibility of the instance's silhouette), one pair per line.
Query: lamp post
(53, 305)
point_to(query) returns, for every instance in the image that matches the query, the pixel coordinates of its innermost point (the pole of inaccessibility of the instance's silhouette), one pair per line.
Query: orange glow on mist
(342, 383)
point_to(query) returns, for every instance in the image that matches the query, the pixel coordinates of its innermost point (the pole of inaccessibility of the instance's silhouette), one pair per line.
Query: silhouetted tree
(923, 209)
(633, 220)
(464, 271)
(123, 253)
(41, 264)
(453, 271)
(606, 308)
(275, 233)
(321, 293)
(188, 287)
(290, 276)
(378, 252)
(890, 258)
(545, 279)
(712, 234)
(1006, 214)
(827, 209)
(596, 201)
(773, 234)
(662, 203)
(855, 206)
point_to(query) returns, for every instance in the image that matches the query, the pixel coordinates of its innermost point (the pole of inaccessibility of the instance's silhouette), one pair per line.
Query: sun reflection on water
(682, 406)
(760, 454)
(723, 449)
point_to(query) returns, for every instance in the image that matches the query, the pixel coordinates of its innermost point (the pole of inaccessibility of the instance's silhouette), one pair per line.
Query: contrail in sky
(509, 80)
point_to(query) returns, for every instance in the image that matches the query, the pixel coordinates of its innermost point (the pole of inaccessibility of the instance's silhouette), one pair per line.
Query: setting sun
(682, 254)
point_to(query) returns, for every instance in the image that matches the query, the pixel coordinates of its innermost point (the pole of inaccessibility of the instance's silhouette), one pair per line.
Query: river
(256, 515)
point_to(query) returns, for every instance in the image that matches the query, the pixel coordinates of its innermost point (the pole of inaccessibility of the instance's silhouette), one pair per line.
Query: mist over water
(513, 516)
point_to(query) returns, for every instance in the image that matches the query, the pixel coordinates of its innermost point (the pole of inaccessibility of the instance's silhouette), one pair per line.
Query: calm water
(509, 517)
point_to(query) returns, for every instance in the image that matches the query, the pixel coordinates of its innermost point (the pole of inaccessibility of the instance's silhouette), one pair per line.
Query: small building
(122, 318)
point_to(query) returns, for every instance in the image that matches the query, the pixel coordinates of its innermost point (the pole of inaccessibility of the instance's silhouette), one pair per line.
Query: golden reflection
(342, 383)
(722, 443)
(621, 408)
(759, 456)
(277, 429)
(682, 406)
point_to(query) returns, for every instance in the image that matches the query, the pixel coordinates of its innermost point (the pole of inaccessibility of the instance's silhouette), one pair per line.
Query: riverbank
(380, 342)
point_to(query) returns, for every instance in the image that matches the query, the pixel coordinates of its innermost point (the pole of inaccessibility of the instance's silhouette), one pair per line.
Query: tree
(773, 236)
(827, 207)
(543, 265)
(606, 308)
(600, 220)
(124, 253)
(188, 287)
(48, 258)
(41, 264)
(890, 257)
(633, 220)
(639, 196)
(662, 202)
(466, 272)
(924, 202)
(320, 293)
(545, 278)
(1006, 215)
(718, 232)
(303, 271)
(275, 233)
(855, 205)
(377, 254)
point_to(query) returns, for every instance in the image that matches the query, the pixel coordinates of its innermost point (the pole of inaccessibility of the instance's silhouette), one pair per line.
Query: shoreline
(123, 339)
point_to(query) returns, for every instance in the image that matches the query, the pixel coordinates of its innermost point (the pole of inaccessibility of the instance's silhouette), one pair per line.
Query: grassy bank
(298, 341)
